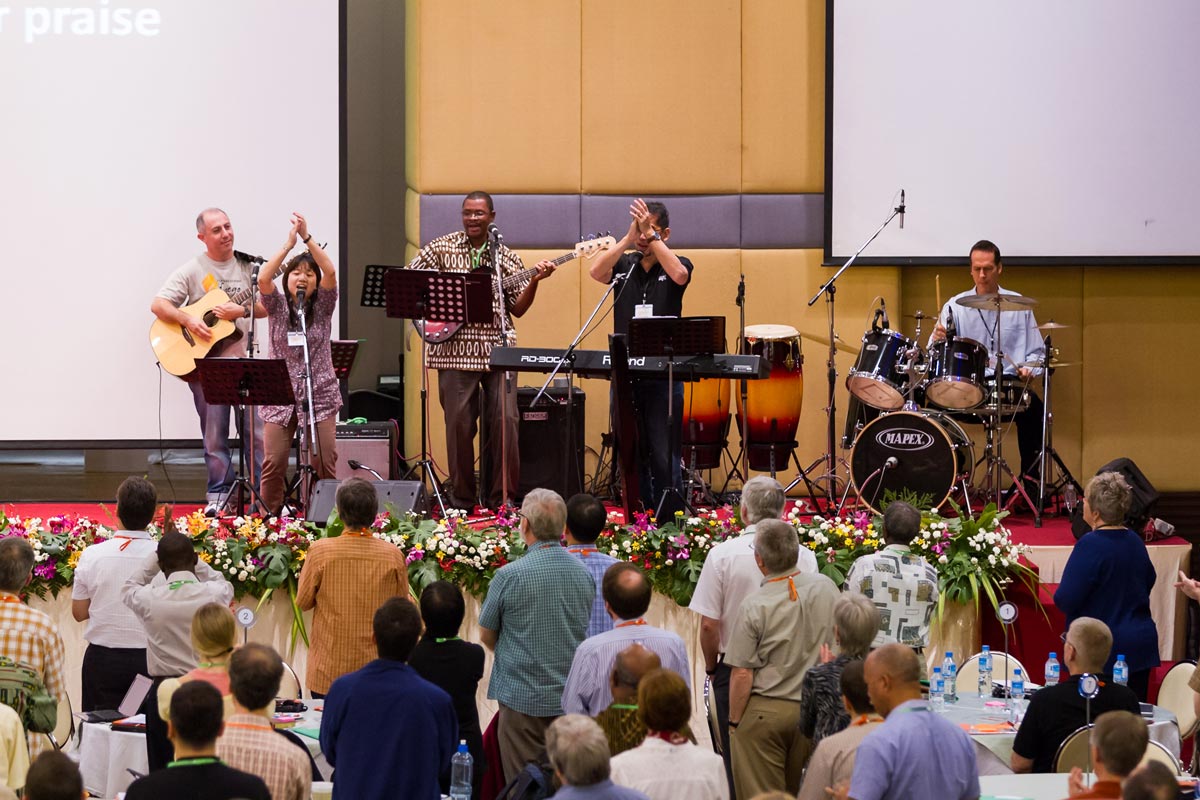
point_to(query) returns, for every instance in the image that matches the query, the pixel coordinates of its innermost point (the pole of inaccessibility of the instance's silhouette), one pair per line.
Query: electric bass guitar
(175, 346)
(437, 332)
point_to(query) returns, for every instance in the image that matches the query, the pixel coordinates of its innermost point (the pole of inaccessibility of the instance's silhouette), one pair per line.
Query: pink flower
(45, 570)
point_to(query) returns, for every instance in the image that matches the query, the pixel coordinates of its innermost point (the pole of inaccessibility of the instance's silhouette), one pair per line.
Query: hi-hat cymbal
(994, 300)
(1051, 365)
(919, 315)
(1052, 326)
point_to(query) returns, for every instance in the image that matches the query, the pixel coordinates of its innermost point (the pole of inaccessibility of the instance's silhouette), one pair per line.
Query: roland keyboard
(598, 364)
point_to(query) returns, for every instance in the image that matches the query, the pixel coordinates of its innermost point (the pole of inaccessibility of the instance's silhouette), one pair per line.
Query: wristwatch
(655, 236)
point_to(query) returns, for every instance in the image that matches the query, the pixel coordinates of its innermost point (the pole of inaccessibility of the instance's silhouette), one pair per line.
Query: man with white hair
(729, 575)
(578, 752)
(535, 615)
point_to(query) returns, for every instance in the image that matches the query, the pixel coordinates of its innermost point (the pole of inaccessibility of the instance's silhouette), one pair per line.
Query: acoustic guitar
(174, 345)
(437, 332)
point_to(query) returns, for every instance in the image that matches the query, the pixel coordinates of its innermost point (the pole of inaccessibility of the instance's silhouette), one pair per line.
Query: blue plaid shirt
(597, 564)
(538, 605)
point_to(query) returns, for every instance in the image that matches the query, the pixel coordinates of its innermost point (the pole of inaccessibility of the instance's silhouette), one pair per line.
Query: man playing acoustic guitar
(216, 268)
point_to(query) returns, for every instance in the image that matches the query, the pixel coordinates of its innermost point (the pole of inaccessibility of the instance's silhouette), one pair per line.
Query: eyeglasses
(475, 214)
(1063, 636)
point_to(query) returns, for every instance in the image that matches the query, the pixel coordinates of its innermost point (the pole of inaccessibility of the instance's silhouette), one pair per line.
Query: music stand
(246, 383)
(343, 352)
(373, 295)
(673, 337)
(430, 296)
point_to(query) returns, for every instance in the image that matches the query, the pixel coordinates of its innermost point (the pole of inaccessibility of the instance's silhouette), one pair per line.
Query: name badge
(643, 310)
(295, 339)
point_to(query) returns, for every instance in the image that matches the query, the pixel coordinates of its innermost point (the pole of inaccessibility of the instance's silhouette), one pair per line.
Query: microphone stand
(494, 240)
(247, 412)
(309, 443)
(743, 384)
(567, 359)
(829, 289)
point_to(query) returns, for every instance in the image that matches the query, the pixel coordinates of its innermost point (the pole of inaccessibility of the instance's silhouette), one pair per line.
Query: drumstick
(937, 292)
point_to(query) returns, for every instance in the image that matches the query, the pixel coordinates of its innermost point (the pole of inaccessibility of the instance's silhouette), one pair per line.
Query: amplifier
(397, 496)
(551, 441)
(372, 444)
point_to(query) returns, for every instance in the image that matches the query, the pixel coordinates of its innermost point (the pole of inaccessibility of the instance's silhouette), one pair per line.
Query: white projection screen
(1065, 130)
(122, 121)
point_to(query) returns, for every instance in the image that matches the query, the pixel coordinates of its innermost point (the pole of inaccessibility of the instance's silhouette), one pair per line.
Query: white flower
(942, 559)
(243, 575)
(669, 562)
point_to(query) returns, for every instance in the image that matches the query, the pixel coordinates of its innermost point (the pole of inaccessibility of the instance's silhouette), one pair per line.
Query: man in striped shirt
(585, 520)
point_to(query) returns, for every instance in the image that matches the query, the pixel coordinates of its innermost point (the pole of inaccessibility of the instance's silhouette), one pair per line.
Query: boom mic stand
(494, 240)
(829, 289)
(307, 442)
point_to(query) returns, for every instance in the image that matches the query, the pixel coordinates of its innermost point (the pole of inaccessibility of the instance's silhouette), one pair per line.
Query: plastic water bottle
(937, 690)
(1052, 670)
(985, 672)
(1017, 686)
(950, 676)
(1121, 671)
(461, 773)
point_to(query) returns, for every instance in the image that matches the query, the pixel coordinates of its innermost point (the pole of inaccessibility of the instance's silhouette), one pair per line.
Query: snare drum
(956, 373)
(875, 379)
(705, 422)
(1014, 394)
(772, 405)
(933, 454)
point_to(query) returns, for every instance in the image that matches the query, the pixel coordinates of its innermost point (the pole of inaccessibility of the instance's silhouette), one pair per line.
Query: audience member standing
(832, 762)
(535, 615)
(916, 752)
(667, 766)
(728, 576)
(387, 731)
(116, 651)
(197, 773)
(621, 722)
(166, 610)
(28, 636)
(455, 666)
(345, 579)
(586, 518)
(778, 636)
(627, 595)
(249, 742)
(822, 710)
(578, 752)
(902, 584)
(214, 635)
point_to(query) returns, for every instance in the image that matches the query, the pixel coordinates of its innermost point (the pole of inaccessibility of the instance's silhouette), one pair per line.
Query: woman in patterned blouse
(855, 621)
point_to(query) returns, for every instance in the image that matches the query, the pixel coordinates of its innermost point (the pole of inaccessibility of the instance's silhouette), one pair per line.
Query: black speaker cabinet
(372, 444)
(551, 440)
(399, 496)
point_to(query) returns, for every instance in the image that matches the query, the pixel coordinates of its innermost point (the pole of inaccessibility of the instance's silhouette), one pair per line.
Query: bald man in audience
(1057, 711)
(627, 594)
(621, 722)
(916, 752)
(1118, 741)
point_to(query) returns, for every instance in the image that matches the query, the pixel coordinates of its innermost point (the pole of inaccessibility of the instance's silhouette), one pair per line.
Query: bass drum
(933, 454)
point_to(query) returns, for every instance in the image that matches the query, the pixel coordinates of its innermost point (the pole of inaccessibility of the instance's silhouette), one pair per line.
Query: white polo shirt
(101, 571)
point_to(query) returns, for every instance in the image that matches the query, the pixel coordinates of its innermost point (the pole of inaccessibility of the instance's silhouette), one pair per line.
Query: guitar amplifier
(399, 497)
(372, 444)
(551, 441)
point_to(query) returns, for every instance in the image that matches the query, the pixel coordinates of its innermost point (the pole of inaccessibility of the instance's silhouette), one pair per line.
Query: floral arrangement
(57, 543)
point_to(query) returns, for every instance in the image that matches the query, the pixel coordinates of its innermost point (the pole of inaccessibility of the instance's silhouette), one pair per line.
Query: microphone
(359, 465)
(494, 232)
(741, 293)
(883, 307)
(240, 256)
(901, 209)
(951, 329)
(300, 299)
(891, 463)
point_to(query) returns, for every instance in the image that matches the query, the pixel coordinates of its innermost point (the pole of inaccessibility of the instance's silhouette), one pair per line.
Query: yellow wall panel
(661, 96)
(496, 92)
(783, 96)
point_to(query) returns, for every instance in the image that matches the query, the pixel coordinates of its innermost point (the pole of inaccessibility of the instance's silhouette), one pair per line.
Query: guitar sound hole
(209, 318)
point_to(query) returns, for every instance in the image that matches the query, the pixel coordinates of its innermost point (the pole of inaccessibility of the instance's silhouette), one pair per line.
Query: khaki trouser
(522, 739)
(768, 749)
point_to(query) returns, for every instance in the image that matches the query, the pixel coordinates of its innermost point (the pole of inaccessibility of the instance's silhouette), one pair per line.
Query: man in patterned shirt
(903, 585)
(535, 615)
(28, 636)
(249, 743)
(462, 361)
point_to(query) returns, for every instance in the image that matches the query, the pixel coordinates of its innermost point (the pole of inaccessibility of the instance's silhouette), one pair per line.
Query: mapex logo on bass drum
(904, 439)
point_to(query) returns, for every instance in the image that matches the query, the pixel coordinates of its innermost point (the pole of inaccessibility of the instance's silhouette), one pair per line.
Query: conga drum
(705, 422)
(772, 414)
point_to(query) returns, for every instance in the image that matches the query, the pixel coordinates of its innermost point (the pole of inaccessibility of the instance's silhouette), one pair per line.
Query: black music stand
(372, 289)
(343, 353)
(672, 338)
(430, 296)
(246, 383)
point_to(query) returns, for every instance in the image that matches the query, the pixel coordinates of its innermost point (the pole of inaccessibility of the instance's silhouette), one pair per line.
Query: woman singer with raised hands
(304, 292)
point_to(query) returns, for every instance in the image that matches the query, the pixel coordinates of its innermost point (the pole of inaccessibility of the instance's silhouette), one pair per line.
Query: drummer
(1020, 340)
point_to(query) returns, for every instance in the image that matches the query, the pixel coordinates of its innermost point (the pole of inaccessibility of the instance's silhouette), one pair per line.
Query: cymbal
(992, 300)
(1052, 326)
(1051, 365)
(920, 315)
(823, 340)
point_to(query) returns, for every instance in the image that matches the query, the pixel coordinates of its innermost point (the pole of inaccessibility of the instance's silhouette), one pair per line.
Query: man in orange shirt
(346, 579)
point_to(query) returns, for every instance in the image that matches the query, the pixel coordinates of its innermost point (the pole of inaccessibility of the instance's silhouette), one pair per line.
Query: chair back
(1157, 751)
(968, 673)
(1074, 751)
(289, 687)
(1177, 697)
(64, 731)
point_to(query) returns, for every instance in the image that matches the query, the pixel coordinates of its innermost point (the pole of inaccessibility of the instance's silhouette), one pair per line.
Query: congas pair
(772, 414)
(932, 454)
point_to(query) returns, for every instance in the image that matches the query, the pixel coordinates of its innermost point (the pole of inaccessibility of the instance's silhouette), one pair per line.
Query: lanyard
(195, 762)
(628, 622)
(249, 726)
(863, 720)
(10, 598)
(444, 639)
(125, 543)
(583, 550)
(363, 534)
(791, 584)
(624, 706)
(173, 585)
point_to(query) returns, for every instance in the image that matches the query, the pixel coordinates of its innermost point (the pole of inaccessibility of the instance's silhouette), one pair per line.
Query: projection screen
(123, 121)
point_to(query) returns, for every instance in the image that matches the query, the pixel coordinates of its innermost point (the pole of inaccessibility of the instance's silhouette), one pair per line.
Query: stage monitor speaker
(551, 441)
(397, 496)
(372, 444)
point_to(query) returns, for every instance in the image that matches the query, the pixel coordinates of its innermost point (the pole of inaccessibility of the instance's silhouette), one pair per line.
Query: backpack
(22, 689)
(534, 782)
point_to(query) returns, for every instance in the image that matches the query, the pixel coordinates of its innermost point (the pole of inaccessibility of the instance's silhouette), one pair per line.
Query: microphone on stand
(240, 256)
(951, 328)
(494, 232)
(883, 307)
(891, 463)
(741, 293)
(359, 465)
(901, 209)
